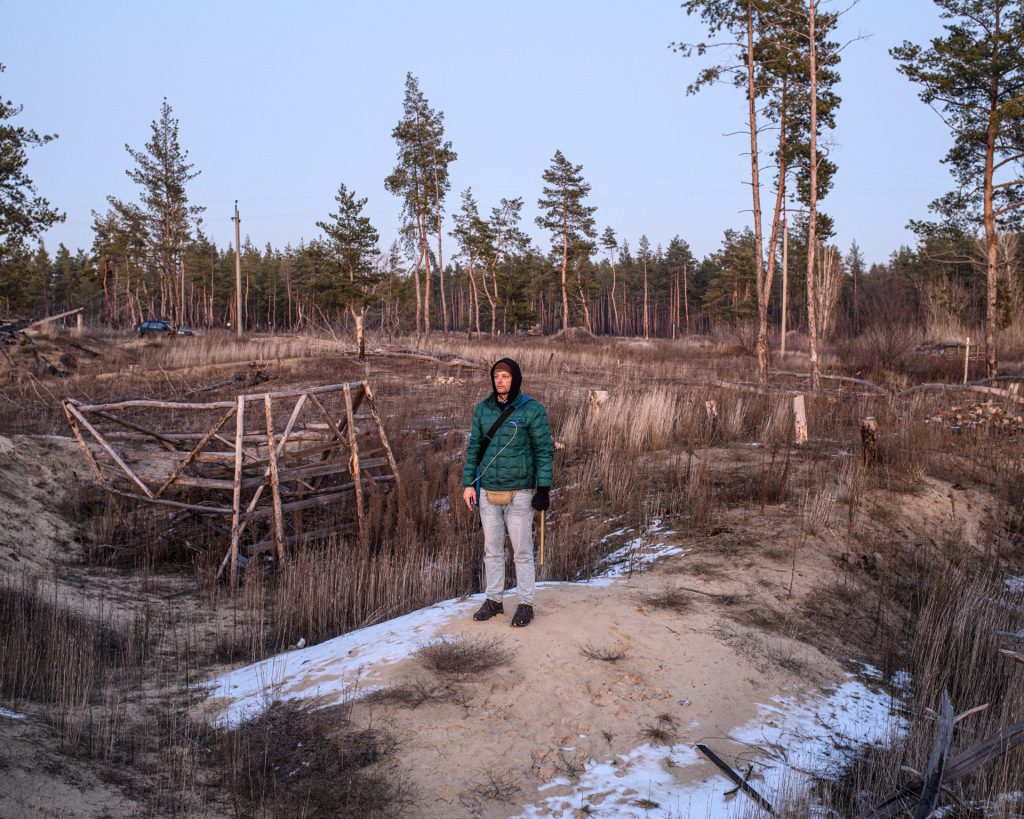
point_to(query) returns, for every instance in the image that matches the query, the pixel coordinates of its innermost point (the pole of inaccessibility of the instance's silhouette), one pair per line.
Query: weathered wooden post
(597, 399)
(275, 484)
(967, 357)
(869, 439)
(392, 463)
(236, 489)
(711, 408)
(354, 461)
(799, 420)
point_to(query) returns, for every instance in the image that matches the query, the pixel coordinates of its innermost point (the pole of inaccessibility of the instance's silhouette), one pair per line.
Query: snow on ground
(336, 669)
(11, 714)
(786, 743)
(1015, 583)
(638, 552)
(333, 669)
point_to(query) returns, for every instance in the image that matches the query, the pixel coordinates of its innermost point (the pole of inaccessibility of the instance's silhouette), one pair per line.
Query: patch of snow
(638, 552)
(11, 714)
(900, 680)
(789, 740)
(1015, 584)
(333, 670)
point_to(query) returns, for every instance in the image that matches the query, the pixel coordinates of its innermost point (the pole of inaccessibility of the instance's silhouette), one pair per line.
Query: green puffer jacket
(520, 454)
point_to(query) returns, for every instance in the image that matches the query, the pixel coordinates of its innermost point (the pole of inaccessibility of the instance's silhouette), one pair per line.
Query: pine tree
(162, 171)
(421, 178)
(644, 252)
(24, 214)
(855, 268)
(474, 239)
(570, 221)
(973, 76)
(611, 244)
(506, 242)
(353, 243)
(772, 51)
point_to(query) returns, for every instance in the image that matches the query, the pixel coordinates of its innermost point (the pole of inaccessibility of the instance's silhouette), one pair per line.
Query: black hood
(517, 379)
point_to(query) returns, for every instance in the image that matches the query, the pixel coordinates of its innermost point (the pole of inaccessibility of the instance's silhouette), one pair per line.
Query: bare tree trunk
(565, 264)
(812, 216)
(423, 301)
(647, 306)
(755, 187)
(440, 254)
(586, 311)
(991, 236)
(615, 306)
(785, 284)
(686, 301)
(104, 272)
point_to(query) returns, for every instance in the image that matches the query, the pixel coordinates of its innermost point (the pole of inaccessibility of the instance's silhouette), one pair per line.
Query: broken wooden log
(931, 788)
(964, 763)
(57, 317)
(736, 779)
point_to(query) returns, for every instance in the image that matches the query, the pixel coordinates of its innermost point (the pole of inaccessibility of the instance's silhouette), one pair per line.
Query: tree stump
(597, 399)
(799, 421)
(869, 439)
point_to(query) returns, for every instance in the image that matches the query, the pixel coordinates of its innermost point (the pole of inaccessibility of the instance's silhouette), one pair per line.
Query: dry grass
(463, 656)
(663, 731)
(669, 598)
(954, 648)
(297, 762)
(498, 786)
(414, 693)
(647, 452)
(606, 654)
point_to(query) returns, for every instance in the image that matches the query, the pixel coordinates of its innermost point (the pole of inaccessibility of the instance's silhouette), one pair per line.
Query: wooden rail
(308, 446)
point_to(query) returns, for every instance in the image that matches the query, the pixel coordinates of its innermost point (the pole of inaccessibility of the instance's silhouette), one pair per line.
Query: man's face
(502, 382)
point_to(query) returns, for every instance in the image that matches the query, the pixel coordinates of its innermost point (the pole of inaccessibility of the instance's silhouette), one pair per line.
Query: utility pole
(238, 274)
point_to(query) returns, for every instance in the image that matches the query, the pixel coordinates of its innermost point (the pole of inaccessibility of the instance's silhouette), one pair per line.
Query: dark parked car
(158, 326)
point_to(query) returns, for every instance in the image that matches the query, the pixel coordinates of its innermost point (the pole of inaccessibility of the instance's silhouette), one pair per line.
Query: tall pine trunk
(565, 265)
(812, 215)
(755, 187)
(991, 236)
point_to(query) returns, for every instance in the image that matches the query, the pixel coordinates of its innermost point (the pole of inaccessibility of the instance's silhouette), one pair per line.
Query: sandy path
(553, 708)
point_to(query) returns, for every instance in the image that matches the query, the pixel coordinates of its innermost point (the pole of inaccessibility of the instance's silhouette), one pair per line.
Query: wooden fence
(290, 454)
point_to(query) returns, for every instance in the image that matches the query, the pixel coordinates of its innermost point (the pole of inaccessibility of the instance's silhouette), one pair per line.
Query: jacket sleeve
(543, 446)
(476, 433)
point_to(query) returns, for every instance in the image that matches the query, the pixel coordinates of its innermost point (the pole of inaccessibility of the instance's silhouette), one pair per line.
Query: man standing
(508, 472)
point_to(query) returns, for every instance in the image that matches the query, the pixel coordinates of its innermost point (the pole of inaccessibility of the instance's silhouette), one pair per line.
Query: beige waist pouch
(500, 497)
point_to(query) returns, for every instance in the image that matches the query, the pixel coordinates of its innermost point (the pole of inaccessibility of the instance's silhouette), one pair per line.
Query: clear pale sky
(280, 102)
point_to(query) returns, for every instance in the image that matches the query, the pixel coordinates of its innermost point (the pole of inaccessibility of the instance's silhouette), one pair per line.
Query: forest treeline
(291, 288)
(473, 268)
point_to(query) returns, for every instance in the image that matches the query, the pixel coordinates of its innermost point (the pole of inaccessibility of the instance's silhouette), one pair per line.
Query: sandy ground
(37, 780)
(530, 724)
(553, 708)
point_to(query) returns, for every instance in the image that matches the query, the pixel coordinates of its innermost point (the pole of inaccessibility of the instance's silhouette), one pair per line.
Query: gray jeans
(517, 519)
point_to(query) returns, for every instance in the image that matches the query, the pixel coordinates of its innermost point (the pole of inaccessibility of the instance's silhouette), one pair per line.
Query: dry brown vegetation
(104, 645)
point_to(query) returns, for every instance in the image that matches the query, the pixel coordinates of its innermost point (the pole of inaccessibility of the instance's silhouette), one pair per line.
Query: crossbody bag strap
(486, 440)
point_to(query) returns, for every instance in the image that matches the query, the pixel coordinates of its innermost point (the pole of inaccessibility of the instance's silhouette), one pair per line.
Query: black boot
(489, 609)
(523, 615)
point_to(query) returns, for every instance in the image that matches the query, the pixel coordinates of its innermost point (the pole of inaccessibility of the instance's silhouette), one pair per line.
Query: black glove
(541, 498)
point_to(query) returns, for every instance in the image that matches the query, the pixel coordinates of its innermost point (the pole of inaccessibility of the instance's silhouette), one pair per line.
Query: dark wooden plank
(736, 779)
